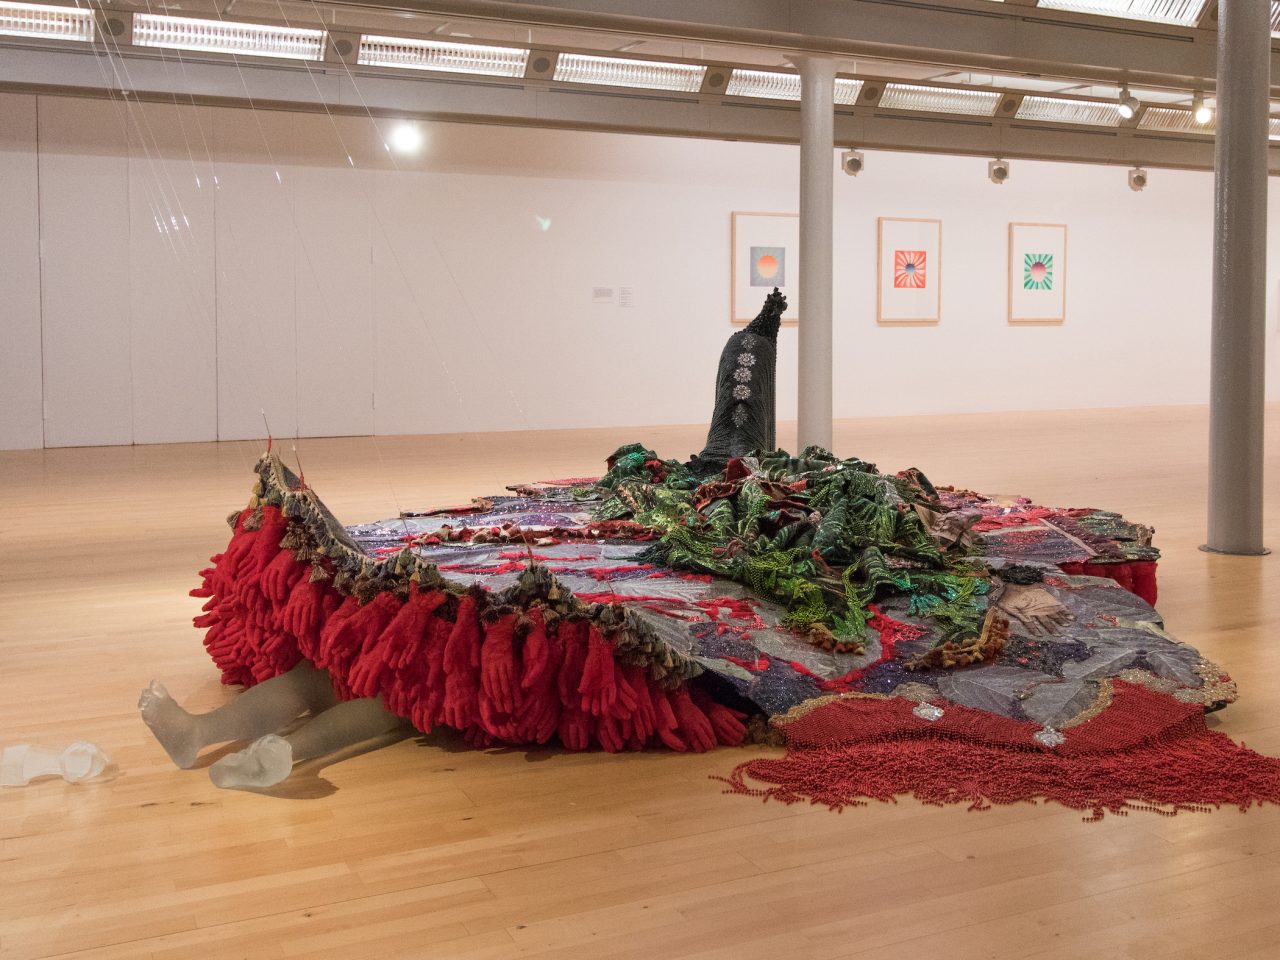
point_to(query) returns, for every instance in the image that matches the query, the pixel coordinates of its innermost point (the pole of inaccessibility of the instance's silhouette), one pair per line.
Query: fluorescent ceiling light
(1275, 18)
(764, 84)
(1183, 12)
(910, 96)
(45, 22)
(1097, 113)
(775, 85)
(622, 72)
(1273, 128)
(1173, 120)
(847, 91)
(442, 56)
(228, 36)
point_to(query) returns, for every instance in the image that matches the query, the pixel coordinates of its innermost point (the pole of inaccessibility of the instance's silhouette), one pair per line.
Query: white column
(1237, 364)
(817, 141)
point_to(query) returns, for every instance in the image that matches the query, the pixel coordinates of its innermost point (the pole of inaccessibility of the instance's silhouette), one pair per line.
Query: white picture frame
(765, 253)
(908, 271)
(1037, 273)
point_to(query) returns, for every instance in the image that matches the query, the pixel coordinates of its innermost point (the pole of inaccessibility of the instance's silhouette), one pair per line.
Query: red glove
(265, 546)
(665, 724)
(610, 735)
(538, 715)
(280, 576)
(462, 667)
(537, 652)
(404, 636)
(498, 669)
(573, 635)
(574, 728)
(725, 721)
(695, 728)
(597, 685)
(643, 718)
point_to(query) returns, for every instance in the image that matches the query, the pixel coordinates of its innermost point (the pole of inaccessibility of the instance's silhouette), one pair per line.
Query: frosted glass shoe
(24, 762)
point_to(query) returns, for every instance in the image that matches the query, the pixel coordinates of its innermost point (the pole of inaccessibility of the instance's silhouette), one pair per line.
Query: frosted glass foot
(21, 764)
(172, 726)
(263, 763)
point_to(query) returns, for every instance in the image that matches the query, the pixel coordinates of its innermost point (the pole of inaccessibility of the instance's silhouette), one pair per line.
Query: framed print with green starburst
(1037, 273)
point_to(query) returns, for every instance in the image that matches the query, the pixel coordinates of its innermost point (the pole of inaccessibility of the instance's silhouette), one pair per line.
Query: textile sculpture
(901, 637)
(979, 673)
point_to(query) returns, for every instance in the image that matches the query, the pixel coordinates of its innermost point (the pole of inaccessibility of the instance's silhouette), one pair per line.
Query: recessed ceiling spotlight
(1202, 111)
(1128, 103)
(998, 171)
(406, 138)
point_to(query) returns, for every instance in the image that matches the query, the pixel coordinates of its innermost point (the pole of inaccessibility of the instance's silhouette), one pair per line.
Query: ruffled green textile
(823, 537)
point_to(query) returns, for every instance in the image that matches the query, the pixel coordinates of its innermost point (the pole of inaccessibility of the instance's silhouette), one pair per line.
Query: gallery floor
(426, 849)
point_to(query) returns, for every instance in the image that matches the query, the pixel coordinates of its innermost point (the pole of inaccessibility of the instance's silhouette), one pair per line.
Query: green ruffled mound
(821, 536)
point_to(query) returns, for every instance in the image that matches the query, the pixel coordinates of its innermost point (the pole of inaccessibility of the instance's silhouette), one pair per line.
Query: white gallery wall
(172, 273)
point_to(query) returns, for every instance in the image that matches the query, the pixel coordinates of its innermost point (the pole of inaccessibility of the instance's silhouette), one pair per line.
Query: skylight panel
(1184, 13)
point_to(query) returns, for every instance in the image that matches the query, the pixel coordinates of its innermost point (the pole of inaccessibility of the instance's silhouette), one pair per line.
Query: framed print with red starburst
(909, 271)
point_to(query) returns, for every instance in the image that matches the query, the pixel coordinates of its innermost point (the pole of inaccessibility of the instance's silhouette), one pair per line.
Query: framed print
(1037, 272)
(765, 254)
(909, 271)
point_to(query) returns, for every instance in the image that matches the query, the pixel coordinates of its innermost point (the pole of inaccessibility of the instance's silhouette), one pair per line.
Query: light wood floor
(422, 850)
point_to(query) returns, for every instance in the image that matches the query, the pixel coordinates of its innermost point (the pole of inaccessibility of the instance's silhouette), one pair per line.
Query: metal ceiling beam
(962, 34)
(333, 88)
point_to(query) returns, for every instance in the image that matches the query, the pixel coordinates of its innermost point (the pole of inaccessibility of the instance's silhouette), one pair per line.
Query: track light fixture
(998, 171)
(1137, 179)
(406, 138)
(1129, 104)
(851, 162)
(1202, 111)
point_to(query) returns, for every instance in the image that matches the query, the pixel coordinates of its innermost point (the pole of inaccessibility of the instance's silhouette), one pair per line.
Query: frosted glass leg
(259, 710)
(268, 760)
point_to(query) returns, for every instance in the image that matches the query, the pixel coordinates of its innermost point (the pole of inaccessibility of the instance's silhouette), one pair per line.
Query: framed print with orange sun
(909, 271)
(765, 254)
(1037, 273)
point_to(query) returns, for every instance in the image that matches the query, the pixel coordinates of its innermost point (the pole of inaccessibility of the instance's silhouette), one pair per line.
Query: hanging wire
(163, 203)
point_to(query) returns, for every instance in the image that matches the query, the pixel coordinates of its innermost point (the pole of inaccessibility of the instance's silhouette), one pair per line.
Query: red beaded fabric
(1147, 750)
